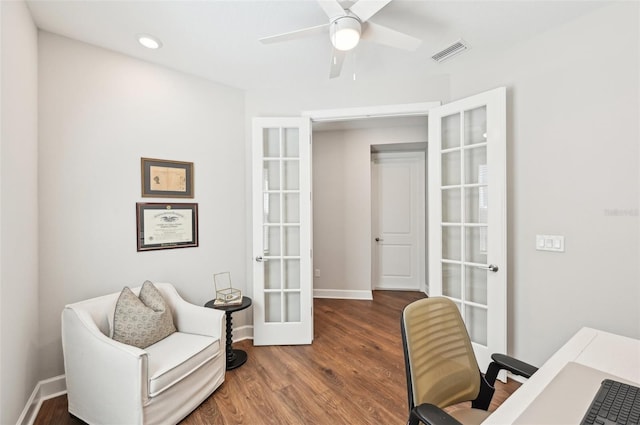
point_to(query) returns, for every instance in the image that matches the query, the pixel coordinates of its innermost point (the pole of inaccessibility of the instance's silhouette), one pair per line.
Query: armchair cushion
(176, 357)
(142, 321)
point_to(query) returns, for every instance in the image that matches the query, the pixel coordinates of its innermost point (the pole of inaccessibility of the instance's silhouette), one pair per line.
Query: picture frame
(166, 225)
(163, 178)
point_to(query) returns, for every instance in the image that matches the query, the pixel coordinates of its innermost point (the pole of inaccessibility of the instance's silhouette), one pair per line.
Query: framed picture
(166, 179)
(164, 226)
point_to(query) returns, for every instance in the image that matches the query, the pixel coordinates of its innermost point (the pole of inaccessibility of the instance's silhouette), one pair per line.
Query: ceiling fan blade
(389, 37)
(365, 9)
(332, 8)
(337, 59)
(295, 35)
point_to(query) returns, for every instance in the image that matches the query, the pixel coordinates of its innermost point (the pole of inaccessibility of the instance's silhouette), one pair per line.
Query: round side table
(235, 358)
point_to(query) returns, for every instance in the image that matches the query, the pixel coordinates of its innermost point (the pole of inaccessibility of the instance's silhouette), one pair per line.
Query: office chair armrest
(504, 362)
(488, 381)
(430, 414)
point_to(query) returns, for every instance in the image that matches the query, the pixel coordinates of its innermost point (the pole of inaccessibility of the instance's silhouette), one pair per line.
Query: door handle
(489, 267)
(379, 240)
(259, 259)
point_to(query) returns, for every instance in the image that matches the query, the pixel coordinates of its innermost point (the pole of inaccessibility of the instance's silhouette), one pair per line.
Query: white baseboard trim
(44, 390)
(242, 332)
(342, 294)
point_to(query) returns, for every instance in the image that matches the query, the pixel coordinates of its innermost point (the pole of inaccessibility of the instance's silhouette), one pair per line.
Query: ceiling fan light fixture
(345, 32)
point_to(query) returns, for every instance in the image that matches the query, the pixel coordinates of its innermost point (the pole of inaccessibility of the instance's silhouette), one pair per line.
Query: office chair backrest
(441, 366)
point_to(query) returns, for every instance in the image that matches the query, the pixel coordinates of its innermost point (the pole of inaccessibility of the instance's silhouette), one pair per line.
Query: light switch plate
(554, 243)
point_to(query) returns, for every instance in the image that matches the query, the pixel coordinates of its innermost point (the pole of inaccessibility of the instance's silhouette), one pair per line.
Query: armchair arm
(106, 380)
(191, 318)
(430, 414)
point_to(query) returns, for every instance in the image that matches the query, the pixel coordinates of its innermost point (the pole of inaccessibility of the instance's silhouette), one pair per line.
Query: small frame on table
(165, 226)
(166, 179)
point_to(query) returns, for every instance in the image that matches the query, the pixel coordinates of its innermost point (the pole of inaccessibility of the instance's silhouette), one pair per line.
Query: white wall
(573, 171)
(573, 159)
(100, 112)
(19, 213)
(342, 205)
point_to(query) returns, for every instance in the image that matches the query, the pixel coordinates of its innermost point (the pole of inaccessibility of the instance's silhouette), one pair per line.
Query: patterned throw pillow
(142, 321)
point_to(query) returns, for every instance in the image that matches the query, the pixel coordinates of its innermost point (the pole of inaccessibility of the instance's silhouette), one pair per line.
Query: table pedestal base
(236, 358)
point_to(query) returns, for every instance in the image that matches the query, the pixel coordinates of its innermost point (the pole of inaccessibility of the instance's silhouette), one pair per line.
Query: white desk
(606, 352)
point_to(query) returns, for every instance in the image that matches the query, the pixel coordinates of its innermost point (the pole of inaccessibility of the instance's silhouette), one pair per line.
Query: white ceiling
(218, 39)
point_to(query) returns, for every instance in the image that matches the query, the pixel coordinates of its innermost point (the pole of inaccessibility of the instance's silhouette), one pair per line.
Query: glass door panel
(291, 143)
(451, 243)
(475, 125)
(271, 207)
(271, 143)
(451, 131)
(451, 206)
(476, 321)
(451, 168)
(291, 176)
(271, 175)
(476, 284)
(273, 307)
(475, 245)
(451, 280)
(475, 162)
(292, 313)
(291, 208)
(272, 275)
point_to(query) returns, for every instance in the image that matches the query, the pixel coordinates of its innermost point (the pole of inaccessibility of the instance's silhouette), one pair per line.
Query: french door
(467, 215)
(282, 292)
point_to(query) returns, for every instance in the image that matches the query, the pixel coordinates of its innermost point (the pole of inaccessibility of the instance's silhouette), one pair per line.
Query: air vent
(450, 51)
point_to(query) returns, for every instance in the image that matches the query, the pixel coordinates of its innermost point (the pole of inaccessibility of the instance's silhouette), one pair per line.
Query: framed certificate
(166, 179)
(163, 226)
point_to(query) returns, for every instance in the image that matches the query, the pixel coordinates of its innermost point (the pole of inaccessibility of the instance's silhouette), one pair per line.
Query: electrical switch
(553, 243)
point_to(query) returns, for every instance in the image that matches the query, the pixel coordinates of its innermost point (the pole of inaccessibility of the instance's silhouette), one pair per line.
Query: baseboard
(242, 332)
(44, 390)
(342, 294)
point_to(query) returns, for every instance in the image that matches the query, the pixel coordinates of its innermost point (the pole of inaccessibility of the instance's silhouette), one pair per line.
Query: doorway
(343, 237)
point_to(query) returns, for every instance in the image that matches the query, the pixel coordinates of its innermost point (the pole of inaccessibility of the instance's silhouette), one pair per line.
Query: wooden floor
(353, 373)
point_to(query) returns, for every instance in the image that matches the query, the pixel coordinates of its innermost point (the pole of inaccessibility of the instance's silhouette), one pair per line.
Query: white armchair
(109, 382)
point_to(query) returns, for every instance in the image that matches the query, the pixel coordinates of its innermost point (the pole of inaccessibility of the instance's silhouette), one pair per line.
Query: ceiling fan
(347, 26)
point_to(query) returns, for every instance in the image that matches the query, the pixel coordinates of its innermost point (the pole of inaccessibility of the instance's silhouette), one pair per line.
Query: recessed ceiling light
(149, 41)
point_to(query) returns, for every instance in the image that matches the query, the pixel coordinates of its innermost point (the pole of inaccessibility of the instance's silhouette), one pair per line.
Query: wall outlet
(553, 243)
(316, 273)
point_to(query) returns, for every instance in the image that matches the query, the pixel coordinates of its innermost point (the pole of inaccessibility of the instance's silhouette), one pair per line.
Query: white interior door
(399, 220)
(282, 292)
(467, 215)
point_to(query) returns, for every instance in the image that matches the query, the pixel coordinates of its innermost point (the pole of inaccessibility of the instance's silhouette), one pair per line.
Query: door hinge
(311, 253)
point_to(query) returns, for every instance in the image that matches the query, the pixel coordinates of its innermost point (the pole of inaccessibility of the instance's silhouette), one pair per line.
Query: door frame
(420, 109)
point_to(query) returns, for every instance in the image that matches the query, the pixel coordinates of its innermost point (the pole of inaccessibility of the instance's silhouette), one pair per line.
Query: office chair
(441, 367)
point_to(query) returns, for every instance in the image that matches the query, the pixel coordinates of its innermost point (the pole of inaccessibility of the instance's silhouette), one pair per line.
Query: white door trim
(380, 111)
